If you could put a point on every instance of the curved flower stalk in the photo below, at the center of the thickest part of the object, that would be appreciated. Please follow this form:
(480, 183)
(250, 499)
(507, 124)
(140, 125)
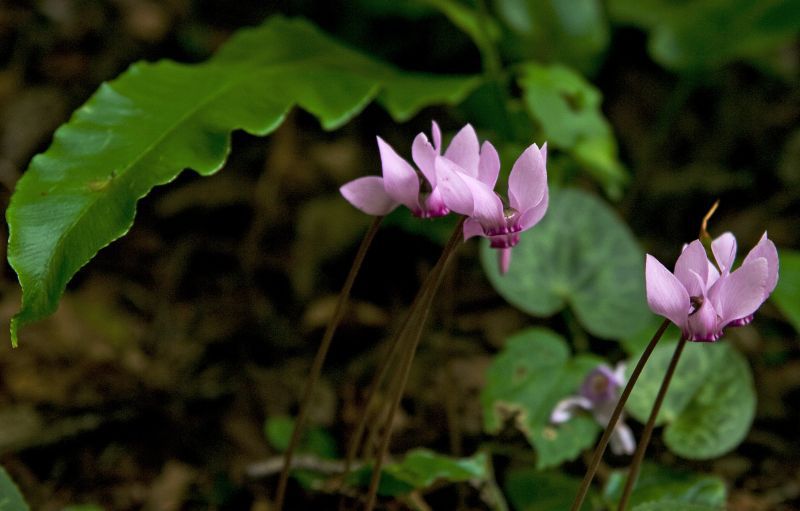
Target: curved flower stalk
(471, 193)
(416, 189)
(703, 299)
(599, 394)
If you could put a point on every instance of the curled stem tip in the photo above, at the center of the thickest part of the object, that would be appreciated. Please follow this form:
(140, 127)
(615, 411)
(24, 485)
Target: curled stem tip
(704, 235)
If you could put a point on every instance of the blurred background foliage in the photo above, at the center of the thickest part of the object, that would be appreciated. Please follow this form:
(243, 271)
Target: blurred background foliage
(177, 355)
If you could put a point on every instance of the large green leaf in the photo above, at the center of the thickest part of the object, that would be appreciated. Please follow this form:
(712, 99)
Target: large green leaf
(656, 484)
(525, 382)
(568, 109)
(10, 497)
(696, 362)
(533, 490)
(143, 128)
(483, 30)
(787, 294)
(719, 416)
(697, 34)
(710, 403)
(575, 33)
(580, 254)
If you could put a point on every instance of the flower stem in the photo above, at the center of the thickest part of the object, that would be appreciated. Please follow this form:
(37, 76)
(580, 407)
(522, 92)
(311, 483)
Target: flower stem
(623, 398)
(638, 456)
(319, 360)
(377, 381)
(419, 313)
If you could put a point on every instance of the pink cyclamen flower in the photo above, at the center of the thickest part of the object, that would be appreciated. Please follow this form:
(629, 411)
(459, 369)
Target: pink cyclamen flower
(470, 192)
(701, 300)
(599, 394)
(402, 184)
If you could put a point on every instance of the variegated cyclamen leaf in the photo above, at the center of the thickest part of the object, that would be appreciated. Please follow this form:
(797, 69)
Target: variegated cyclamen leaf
(711, 401)
(657, 484)
(787, 294)
(580, 255)
(719, 416)
(526, 381)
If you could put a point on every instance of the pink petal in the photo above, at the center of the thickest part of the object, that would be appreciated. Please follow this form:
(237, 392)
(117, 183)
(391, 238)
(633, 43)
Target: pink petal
(528, 180)
(455, 192)
(399, 179)
(622, 441)
(472, 227)
(424, 155)
(532, 216)
(766, 248)
(434, 205)
(692, 259)
(468, 196)
(713, 275)
(464, 150)
(703, 323)
(619, 374)
(724, 249)
(742, 292)
(666, 296)
(487, 205)
(488, 165)
(368, 195)
(566, 408)
(437, 137)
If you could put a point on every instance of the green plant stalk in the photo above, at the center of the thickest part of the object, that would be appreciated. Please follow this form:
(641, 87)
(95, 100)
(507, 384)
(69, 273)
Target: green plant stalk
(603, 443)
(638, 456)
(420, 313)
(319, 360)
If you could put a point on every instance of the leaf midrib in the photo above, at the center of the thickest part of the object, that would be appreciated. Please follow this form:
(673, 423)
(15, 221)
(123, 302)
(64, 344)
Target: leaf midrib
(58, 247)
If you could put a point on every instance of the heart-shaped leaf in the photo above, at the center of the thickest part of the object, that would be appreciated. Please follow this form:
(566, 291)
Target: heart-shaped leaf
(656, 484)
(143, 128)
(525, 382)
(581, 254)
(720, 414)
(693, 368)
(787, 294)
(710, 403)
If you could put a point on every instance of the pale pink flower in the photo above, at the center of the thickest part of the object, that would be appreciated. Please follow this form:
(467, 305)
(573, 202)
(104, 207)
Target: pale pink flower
(470, 192)
(416, 189)
(599, 394)
(701, 300)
